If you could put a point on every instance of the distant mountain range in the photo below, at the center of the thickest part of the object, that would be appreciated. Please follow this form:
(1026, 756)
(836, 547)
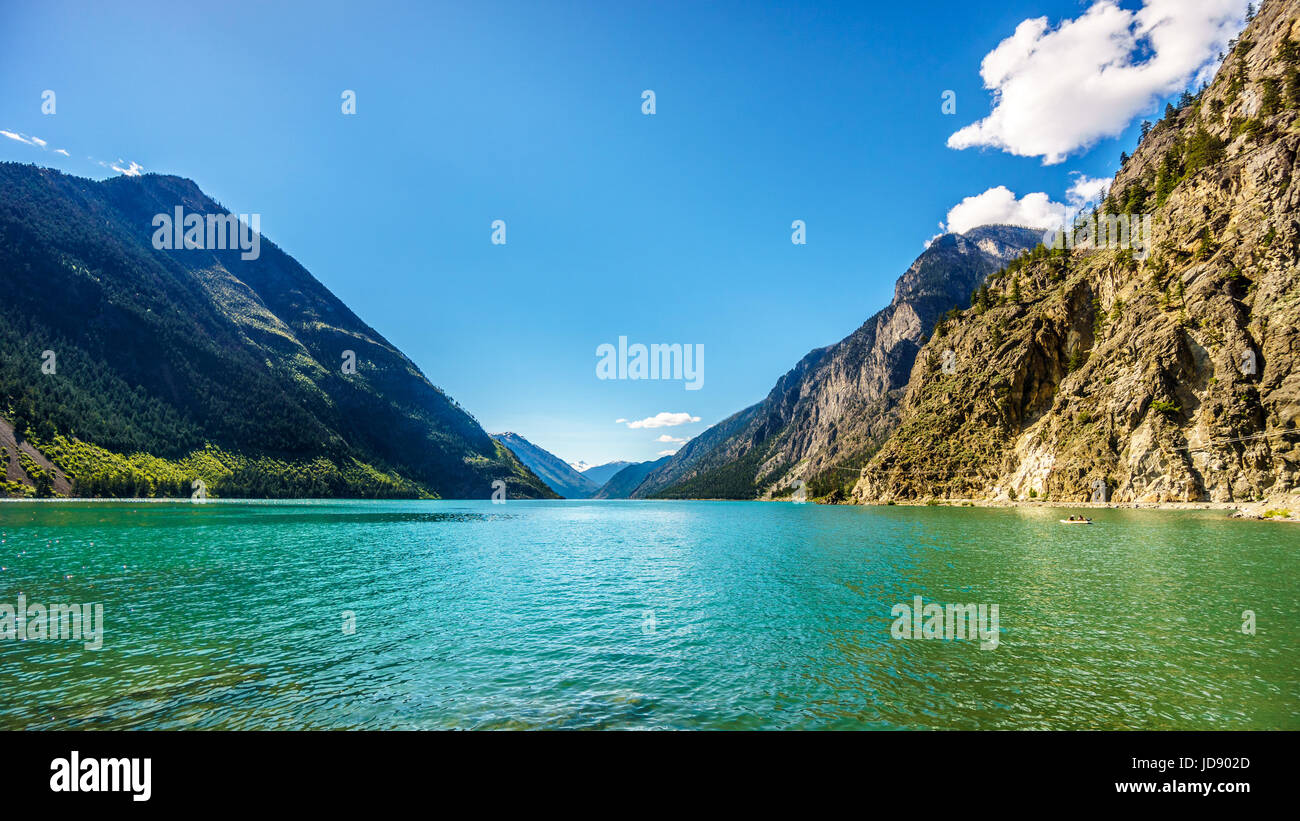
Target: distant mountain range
(600, 474)
(624, 483)
(558, 475)
(614, 480)
(140, 371)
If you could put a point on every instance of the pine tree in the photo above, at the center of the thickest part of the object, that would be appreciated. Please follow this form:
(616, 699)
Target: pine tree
(1270, 99)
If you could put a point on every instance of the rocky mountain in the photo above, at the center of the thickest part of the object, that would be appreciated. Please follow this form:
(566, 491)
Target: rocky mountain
(829, 413)
(136, 366)
(622, 484)
(1164, 371)
(600, 474)
(558, 475)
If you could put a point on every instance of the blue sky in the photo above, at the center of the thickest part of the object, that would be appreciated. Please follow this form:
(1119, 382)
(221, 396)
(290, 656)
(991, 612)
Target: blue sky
(673, 227)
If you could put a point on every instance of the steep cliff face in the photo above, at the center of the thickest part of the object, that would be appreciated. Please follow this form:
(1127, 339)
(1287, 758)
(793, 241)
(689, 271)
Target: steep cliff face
(1100, 374)
(830, 411)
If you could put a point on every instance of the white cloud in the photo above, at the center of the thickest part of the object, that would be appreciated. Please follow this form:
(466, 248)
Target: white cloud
(663, 437)
(1059, 90)
(1000, 206)
(28, 139)
(1085, 190)
(663, 420)
(667, 453)
(132, 170)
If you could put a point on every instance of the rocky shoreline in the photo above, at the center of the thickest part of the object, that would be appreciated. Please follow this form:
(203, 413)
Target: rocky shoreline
(1280, 509)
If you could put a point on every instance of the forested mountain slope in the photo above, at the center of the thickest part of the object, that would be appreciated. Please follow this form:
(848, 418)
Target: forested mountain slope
(171, 366)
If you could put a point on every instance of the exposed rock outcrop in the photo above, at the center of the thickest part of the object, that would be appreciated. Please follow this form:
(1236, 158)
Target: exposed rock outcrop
(826, 416)
(1099, 374)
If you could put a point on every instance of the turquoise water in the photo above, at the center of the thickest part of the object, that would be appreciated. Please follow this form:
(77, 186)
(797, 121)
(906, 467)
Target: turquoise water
(646, 615)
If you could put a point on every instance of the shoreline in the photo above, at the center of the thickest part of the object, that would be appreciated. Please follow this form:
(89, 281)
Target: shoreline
(1237, 510)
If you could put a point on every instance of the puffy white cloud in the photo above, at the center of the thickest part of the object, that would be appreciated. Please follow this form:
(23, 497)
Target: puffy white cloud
(1058, 90)
(663, 420)
(14, 136)
(1000, 206)
(60, 151)
(663, 437)
(1085, 190)
(667, 453)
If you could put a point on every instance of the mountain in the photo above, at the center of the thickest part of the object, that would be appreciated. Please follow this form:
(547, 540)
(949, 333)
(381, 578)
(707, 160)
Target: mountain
(580, 466)
(622, 484)
(554, 471)
(828, 414)
(1126, 375)
(600, 473)
(137, 370)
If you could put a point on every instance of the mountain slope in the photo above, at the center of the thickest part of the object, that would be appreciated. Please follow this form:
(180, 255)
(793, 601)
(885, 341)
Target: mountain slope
(622, 484)
(1095, 374)
(824, 417)
(551, 469)
(600, 474)
(175, 365)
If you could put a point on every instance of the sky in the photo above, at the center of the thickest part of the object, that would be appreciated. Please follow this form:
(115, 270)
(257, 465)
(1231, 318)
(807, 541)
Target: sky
(878, 125)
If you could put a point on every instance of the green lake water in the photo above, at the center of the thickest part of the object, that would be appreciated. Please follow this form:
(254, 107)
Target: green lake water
(715, 615)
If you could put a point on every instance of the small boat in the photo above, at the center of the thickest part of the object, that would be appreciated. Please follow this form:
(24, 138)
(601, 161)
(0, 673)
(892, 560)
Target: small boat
(1076, 521)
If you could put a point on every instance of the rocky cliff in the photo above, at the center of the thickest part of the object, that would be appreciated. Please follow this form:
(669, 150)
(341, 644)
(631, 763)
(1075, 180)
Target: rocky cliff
(1164, 371)
(824, 417)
